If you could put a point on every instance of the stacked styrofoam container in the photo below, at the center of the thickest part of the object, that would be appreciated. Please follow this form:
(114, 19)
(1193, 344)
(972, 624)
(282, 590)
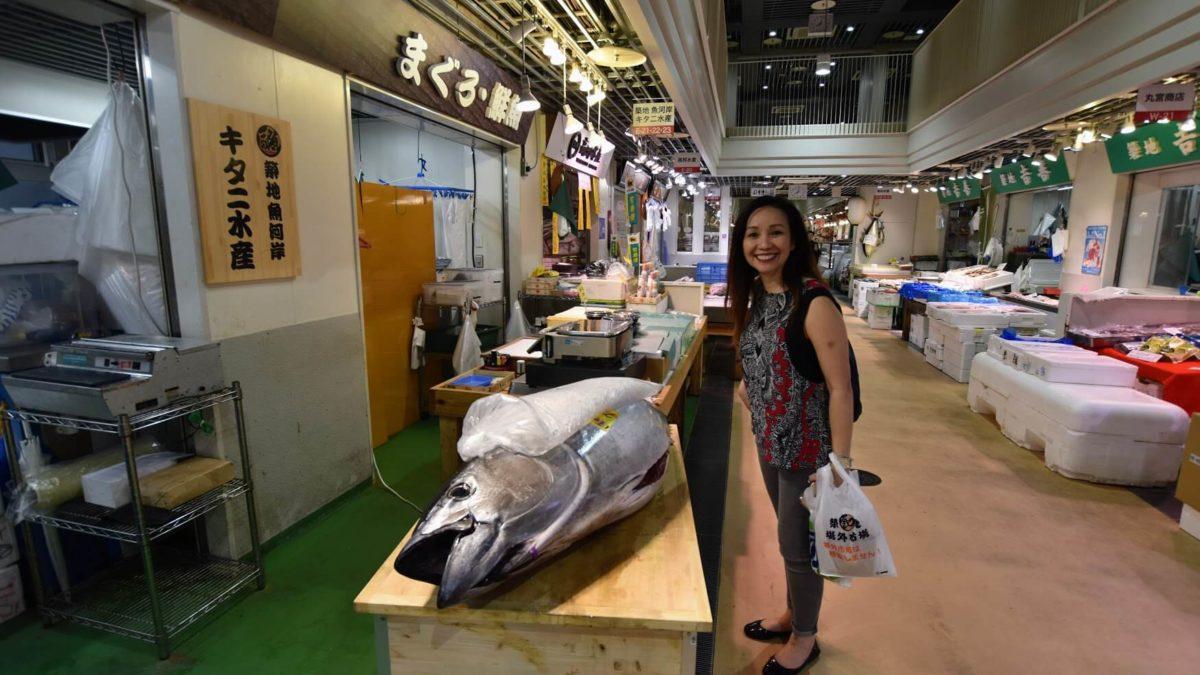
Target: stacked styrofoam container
(1081, 409)
(881, 307)
(918, 329)
(959, 331)
(859, 295)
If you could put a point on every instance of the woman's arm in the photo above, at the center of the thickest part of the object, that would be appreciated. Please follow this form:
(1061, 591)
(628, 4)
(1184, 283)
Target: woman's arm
(827, 330)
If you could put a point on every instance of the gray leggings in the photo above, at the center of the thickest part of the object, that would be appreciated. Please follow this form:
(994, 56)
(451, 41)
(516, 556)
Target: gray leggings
(804, 586)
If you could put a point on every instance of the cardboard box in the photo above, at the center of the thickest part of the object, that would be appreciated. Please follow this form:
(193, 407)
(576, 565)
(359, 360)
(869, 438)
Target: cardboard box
(1187, 490)
(1189, 521)
(186, 480)
(110, 486)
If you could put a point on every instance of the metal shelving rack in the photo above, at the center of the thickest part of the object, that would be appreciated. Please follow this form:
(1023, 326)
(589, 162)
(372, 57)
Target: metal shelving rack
(157, 599)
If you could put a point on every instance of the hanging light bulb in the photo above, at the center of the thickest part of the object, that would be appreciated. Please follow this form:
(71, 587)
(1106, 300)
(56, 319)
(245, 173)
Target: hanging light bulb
(680, 180)
(1129, 127)
(1088, 135)
(1028, 151)
(596, 96)
(998, 161)
(913, 190)
(549, 46)
(527, 102)
(978, 173)
(1051, 155)
(575, 75)
(585, 84)
(1035, 161)
(824, 64)
(1188, 125)
(573, 125)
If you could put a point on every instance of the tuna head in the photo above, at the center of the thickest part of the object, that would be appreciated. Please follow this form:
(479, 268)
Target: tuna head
(480, 527)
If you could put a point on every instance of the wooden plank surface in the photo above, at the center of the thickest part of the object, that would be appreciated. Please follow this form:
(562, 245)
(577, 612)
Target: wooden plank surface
(640, 573)
(425, 647)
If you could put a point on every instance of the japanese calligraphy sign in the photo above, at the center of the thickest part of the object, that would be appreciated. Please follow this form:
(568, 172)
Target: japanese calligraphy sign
(246, 194)
(577, 152)
(1151, 146)
(1165, 101)
(959, 190)
(653, 119)
(394, 46)
(1025, 175)
(687, 162)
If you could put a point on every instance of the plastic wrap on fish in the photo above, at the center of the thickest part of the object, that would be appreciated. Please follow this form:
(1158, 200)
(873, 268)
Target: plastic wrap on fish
(536, 423)
(508, 511)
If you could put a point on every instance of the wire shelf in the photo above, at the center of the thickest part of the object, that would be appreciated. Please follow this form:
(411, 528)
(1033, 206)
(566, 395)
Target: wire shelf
(91, 519)
(179, 408)
(117, 601)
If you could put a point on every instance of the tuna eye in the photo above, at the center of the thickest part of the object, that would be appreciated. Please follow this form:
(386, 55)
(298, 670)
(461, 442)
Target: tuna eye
(461, 491)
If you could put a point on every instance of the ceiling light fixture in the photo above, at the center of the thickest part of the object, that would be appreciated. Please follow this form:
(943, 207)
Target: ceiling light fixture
(1035, 161)
(1028, 151)
(573, 125)
(595, 97)
(849, 29)
(920, 31)
(585, 84)
(527, 103)
(575, 75)
(767, 67)
(998, 161)
(1051, 155)
(821, 84)
(765, 87)
(978, 173)
(824, 64)
(1128, 127)
(772, 33)
(1163, 120)
(1087, 136)
(1188, 125)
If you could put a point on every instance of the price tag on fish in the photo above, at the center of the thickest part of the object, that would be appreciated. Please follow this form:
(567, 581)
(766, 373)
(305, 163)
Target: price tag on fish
(604, 420)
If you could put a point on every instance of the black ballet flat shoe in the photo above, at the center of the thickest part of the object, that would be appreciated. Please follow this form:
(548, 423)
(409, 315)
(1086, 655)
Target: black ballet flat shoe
(755, 631)
(773, 667)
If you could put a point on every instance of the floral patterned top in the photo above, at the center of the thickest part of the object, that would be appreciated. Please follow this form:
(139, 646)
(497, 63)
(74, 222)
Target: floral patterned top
(789, 412)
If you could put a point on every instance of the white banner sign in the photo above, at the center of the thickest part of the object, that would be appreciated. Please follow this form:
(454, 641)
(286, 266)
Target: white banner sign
(577, 152)
(798, 192)
(687, 162)
(1165, 101)
(763, 191)
(653, 119)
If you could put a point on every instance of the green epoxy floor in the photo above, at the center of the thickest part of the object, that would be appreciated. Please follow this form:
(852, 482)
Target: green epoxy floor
(303, 622)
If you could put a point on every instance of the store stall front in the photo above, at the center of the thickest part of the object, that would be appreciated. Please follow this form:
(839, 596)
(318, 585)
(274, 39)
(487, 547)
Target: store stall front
(1034, 198)
(961, 221)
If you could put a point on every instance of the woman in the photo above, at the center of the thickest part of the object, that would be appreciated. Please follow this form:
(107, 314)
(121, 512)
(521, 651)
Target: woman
(797, 383)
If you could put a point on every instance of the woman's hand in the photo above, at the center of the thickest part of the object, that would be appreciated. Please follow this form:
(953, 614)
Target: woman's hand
(741, 393)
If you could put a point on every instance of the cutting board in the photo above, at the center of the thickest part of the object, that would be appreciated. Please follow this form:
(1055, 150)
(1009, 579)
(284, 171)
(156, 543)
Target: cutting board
(186, 480)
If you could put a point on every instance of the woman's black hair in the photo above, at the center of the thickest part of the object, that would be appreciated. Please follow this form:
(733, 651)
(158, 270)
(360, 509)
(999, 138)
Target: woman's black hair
(801, 263)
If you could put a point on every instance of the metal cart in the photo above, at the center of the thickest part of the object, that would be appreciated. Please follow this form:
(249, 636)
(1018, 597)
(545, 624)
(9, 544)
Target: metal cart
(155, 596)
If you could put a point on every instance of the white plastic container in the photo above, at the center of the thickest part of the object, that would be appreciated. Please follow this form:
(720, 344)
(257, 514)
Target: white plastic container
(110, 486)
(917, 331)
(933, 352)
(880, 317)
(1071, 368)
(606, 290)
(487, 284)
(12, 594)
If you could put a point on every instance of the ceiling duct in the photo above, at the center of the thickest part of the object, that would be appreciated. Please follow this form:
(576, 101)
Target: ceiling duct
(820, 24)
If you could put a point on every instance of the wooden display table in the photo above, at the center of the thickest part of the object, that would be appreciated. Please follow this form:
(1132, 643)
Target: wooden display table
(450, 405)
(630, 598)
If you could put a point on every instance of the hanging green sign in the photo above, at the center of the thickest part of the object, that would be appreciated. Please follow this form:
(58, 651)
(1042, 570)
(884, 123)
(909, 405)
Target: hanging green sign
(959, 190)
(1025, 175)
(1151, 146)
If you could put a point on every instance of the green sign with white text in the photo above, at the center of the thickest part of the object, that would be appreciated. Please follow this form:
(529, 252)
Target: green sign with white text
(1151, 146)
(959, 190)
(1025, 175)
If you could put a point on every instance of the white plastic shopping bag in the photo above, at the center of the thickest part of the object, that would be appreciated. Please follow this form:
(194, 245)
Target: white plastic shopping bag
(849, 536)
(468, 350)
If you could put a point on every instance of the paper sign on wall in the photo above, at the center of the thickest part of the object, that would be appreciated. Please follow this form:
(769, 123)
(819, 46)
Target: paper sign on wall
(797, 191)
(577, 151)
(1165, 102)
(766, 191)
(1093, 249)
(245, 194)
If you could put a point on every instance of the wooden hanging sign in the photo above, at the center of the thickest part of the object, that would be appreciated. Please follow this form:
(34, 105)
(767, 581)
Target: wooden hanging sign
(245, 194)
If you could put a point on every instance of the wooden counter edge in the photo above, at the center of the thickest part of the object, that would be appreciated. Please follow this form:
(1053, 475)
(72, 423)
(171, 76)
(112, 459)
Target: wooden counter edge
(368, 600)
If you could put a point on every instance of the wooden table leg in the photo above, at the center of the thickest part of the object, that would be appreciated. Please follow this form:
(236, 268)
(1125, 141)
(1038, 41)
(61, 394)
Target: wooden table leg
(696, 376)
(450, 429)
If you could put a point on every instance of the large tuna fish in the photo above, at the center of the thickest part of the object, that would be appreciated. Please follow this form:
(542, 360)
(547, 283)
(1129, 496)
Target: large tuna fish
(506, 511)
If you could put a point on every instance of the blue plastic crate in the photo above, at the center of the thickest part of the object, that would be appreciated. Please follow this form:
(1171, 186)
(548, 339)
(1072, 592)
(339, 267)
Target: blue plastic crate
(712, 272)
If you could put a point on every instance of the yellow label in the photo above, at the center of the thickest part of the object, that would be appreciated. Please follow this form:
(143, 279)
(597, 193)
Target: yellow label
(604, 420)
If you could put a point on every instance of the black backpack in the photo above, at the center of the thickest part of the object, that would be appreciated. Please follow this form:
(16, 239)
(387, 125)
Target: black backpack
(797, 357)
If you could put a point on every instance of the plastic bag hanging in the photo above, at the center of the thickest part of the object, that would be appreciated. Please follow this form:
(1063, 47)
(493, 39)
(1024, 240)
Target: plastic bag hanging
(468, 351)
(849, 534)
(517, 327)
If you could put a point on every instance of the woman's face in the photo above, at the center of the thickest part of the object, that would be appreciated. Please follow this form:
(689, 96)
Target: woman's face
(768, 241)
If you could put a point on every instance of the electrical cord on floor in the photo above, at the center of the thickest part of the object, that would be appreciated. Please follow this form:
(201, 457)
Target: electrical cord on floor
(389, 488)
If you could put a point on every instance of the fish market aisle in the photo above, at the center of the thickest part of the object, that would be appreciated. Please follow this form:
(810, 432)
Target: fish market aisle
(1003, 566)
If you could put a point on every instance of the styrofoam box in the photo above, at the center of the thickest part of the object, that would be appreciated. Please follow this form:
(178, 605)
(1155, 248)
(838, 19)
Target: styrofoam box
(916, 331)
(957, 357)
(606, 289)
(1102, 434)
(963, 376)
(879, 317)
(110, 486)
(487, 283)
(1008, 351)
(12, 595)
(1077, 369)
(883, 297)
(997, 316)
(933, 352)
(967, 334)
